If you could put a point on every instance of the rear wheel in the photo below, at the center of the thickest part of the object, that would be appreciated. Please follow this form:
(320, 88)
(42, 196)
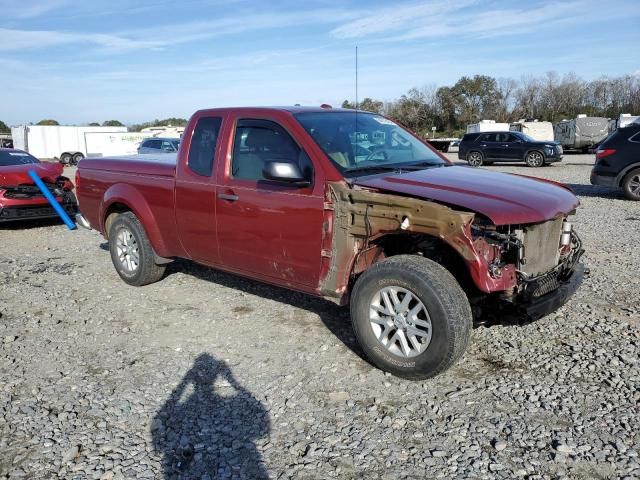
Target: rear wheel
(65, 158)
(131, 251)
(631, 185)
(76, 158)
(534, 159)
(410, 316)
(475, 159)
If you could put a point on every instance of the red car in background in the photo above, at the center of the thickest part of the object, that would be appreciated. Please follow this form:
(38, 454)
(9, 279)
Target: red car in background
(20, 198)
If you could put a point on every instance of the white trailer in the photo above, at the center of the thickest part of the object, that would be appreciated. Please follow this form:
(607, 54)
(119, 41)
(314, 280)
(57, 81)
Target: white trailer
(99, 144)
(66, 143)
(542, 131)
(582, 132)
(487, 126)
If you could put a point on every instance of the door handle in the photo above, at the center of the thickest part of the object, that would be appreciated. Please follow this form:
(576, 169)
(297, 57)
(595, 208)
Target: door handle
(228, 196)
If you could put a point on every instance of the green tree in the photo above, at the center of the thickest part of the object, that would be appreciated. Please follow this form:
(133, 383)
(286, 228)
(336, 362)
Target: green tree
(48, 122)
(3, 127)
(94, 124)
(112, 123)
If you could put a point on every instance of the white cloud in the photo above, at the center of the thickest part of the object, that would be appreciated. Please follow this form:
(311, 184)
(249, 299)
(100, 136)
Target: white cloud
(13, 39)
(29, 8)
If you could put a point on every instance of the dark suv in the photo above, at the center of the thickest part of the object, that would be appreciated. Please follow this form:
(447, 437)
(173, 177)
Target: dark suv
(618, 161)
(488, 147)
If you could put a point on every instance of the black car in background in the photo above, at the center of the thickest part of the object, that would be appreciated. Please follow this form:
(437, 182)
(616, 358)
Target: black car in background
(488, 147)
(618, 161)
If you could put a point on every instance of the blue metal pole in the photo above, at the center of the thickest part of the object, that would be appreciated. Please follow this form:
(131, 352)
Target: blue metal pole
(56, 206)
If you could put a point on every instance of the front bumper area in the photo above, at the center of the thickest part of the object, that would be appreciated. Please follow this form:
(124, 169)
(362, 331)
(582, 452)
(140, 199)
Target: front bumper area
(540, 306)
(34, 212)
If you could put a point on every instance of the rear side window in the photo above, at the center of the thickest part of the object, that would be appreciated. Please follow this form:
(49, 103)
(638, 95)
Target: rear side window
(489, 137)
(635, 138)
(203, 145)
(153, 144)
(257, 142)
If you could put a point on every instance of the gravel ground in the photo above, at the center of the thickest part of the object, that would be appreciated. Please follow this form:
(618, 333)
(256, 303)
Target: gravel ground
(206, 375)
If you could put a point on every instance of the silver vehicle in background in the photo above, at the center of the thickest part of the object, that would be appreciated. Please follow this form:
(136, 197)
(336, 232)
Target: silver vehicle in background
(581, 133)
(159, 145)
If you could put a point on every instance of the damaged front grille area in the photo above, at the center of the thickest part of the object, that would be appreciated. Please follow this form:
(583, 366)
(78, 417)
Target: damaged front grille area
(24, 192)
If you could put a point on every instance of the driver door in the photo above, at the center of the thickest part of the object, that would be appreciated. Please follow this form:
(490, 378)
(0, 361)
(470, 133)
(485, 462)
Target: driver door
(265, 228)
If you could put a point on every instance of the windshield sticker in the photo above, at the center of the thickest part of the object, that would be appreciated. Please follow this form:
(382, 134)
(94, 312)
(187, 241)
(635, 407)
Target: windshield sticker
(18, 154)
(383, 121)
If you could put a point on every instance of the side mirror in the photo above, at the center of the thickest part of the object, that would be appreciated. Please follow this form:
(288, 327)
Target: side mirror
(284, 172)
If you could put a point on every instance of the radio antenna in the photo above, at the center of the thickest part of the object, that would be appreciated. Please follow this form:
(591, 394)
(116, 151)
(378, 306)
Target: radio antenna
(357, 106)
(356, 77)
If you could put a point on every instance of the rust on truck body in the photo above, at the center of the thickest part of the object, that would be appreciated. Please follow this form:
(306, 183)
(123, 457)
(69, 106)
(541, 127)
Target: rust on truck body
(360, 216)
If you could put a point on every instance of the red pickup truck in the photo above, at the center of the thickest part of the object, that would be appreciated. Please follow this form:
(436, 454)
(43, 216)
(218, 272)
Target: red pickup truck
(348, 206)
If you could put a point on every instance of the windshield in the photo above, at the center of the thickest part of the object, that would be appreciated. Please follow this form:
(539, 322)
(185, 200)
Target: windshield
(8, 158)
(359, 141)
(526, 137)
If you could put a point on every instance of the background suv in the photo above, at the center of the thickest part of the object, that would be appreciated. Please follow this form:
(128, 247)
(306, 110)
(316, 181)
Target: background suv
(488, 147)
(618, 161)
(159, 145)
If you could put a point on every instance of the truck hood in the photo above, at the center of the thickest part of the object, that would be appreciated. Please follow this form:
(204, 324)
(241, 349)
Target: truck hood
(503, 198)
(14, 175)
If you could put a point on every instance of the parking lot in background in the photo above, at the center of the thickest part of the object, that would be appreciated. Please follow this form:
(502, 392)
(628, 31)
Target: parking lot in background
(93, 368)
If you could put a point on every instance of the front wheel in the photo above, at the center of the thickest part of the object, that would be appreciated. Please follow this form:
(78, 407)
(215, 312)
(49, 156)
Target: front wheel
(131, 251)
(534, 159)
(631, 185)
(411, 317)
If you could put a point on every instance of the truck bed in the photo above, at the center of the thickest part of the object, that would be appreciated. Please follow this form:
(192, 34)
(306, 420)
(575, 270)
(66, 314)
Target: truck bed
(161, 164)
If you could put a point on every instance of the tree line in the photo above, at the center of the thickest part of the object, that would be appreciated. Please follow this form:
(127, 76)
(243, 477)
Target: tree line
(550, 97)
(173, 122)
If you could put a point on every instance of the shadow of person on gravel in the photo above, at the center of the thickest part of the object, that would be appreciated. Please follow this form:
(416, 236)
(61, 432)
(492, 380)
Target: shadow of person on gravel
(209, 425)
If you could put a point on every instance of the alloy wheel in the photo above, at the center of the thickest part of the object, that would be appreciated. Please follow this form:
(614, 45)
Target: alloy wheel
(400, 321)
(475, 159)
(127, 250)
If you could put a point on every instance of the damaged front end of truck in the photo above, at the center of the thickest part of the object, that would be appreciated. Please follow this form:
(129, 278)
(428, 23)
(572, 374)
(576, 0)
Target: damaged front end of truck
(523, 270)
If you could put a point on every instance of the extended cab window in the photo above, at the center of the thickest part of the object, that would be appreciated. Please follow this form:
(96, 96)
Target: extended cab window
(203, 145)
(257, 142)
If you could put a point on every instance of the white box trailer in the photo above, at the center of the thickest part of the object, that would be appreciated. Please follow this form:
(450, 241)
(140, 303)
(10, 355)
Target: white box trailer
(487, 126)
(542, 131)
(66, 143)
(100, 144)
(582, 132)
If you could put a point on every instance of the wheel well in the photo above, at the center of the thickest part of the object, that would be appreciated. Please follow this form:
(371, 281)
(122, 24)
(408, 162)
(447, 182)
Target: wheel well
(113, 211)
(432, 248)
(626, 171)
(535, 150)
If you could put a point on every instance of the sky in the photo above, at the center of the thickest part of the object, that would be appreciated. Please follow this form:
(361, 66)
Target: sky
(80, 61)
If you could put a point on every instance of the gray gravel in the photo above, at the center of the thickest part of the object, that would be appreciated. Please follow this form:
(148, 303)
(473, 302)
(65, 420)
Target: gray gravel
(206, 375)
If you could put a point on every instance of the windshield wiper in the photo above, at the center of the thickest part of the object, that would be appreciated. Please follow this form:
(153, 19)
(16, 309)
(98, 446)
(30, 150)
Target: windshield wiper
(373, 168)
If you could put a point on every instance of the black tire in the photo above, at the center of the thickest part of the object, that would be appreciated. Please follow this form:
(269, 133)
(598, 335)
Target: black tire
(147, 271)
(65, 158)
(631, 185)
(534, 159)
(444, 300)
(76, 158)
(475, 158)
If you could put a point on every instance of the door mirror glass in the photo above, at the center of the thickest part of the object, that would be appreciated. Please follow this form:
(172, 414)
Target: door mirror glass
(285, 172)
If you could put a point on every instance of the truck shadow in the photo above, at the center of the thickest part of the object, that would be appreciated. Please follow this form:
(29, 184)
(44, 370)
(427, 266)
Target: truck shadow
(209, 425)
(335, 318)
